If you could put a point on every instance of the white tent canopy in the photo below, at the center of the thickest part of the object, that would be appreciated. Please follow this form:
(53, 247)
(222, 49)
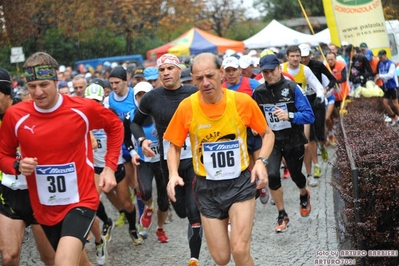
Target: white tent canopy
(276, 34)
(324, 36)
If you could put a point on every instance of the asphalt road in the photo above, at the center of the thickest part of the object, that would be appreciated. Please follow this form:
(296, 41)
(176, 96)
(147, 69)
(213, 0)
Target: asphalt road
(299, 245)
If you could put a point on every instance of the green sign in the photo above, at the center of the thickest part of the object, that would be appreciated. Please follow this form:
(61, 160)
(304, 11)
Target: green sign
(354, 2)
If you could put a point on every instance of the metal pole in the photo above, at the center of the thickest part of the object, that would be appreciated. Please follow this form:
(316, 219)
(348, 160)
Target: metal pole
(355, 182)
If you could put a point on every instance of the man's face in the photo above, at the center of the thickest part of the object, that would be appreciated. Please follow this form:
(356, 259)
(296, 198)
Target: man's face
(64, 90)
(207, 78)
(272, 76)
(189, 82)
(107, 91)
(333, 49)
(139, 95)
(169, 75)
(232, 75)
(331, 60)
(154, 82)
(118, 85)
(247, 72)
(79, 87)
(305, 60)
(60, 76)
(4, 102)
(293, 59)
(43, 93)
(136, 80)
(67, 75)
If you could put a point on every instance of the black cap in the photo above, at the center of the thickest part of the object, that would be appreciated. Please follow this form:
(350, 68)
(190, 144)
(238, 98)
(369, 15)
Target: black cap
(185, 75)
(138, 73)
(363, 45)
(5, 82)
(268, 62)
(106, 84)
(381, 53)
(98, 82)
(348, 48)
(118, 72)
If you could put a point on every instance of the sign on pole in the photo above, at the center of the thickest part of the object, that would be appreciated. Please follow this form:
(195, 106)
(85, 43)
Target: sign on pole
(17, 58)
(17, 55)
(16, 51)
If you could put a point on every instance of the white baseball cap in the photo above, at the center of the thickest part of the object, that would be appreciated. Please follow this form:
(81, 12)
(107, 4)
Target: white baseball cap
(95, 92)
(231, 61)
(142, 86)
(246, 61)
(305, 49)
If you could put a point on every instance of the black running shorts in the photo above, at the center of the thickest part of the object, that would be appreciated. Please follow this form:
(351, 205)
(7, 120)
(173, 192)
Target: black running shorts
(77, 223)
(119, 174)
(254, 143)
(317, 129)
(391, 94)
(214, 198)
(15, 204)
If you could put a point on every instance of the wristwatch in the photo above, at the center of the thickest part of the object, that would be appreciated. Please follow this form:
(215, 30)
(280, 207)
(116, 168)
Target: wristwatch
(290, 116)
(264, 160)
(16, 166)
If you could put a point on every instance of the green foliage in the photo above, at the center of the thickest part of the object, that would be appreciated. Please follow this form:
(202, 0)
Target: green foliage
(123, 28)
(288, 9)
(244, 30)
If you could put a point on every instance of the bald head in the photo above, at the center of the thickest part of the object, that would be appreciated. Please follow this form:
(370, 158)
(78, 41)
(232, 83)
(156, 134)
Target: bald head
(205, 59)
(207, 74)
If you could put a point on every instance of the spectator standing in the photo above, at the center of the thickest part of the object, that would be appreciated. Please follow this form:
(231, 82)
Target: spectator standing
(387, 73)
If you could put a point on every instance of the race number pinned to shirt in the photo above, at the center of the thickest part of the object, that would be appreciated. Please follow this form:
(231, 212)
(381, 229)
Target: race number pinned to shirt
(222, 160)
(185, 152)
(57, 184)
(14, 182)
(272, 120)
(155, 148)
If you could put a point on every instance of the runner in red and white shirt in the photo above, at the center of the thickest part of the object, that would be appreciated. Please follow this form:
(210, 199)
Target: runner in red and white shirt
(57, 159)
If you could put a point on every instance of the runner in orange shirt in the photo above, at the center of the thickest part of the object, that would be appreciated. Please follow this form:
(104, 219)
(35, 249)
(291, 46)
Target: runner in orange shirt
(216, 119)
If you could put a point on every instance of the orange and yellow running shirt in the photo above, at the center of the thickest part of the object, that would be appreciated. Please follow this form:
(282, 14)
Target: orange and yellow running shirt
(217, 132)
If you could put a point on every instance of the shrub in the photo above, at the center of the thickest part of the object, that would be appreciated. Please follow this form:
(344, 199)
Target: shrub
(374, 147)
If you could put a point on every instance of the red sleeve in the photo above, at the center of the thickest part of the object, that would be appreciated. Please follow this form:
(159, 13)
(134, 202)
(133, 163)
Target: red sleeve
(8, 145)
(113, 127)
(288, 76)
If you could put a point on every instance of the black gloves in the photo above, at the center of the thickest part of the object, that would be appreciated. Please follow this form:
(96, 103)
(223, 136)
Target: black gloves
(318, 103)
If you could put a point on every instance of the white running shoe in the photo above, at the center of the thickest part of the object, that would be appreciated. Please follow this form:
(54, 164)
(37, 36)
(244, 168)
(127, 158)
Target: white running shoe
(101, 252)
(312, 182)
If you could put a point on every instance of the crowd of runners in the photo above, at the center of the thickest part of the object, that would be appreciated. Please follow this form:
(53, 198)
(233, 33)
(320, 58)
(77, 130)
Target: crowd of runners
(213, 132)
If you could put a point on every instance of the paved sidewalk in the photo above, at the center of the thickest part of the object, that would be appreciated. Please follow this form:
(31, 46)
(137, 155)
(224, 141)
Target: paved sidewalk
(297, 246)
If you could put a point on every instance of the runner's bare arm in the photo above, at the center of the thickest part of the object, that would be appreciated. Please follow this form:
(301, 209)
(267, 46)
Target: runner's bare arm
(259, 171)
(173, 166)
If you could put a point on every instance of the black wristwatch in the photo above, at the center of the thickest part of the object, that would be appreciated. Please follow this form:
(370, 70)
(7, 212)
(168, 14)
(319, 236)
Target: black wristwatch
(16, 166)
(264, 160)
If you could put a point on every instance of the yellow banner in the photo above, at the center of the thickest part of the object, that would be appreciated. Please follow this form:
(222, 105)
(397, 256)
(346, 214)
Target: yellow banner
(357, 21)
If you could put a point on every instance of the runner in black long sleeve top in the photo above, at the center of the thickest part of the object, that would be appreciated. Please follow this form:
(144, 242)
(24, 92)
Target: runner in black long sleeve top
(160, 104)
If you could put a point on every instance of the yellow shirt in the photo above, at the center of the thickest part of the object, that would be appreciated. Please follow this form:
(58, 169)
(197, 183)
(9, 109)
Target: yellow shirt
(207, 124)
(299, 78)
